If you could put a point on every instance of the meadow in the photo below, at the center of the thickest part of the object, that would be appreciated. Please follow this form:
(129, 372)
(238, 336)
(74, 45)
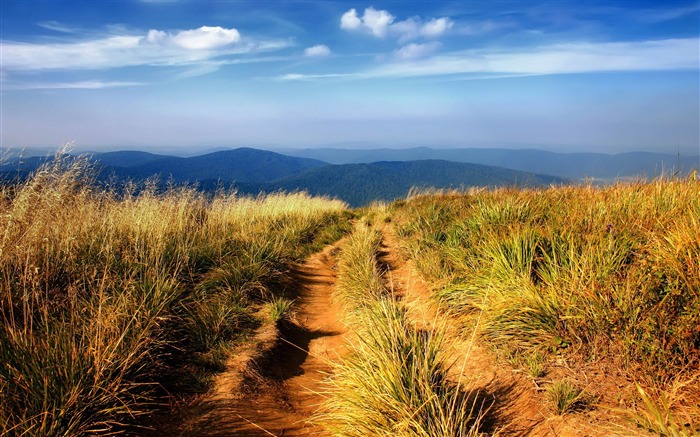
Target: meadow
(115, 303)
(606, 279)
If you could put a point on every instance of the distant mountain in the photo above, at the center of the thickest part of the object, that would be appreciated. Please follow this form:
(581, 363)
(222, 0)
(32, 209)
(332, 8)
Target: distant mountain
(567, 165)
(126, 158)
(240, 165)
(359, 184)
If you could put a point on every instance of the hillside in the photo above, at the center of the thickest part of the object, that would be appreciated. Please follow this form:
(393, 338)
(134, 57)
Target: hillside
(565, 165)
(359, 184)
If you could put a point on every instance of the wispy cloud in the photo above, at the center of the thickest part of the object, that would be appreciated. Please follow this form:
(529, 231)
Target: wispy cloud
(86, 85)
(310, 77)
(657, 55)
(663, 14)
(381, 23)
(56, 26)
(155, 48)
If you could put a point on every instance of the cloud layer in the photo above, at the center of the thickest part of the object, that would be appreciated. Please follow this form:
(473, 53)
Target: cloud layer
(155, 48)
(412, 60)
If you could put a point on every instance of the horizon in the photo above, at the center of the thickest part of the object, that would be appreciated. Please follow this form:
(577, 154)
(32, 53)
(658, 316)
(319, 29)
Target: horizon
(187, 152)
(603, 77)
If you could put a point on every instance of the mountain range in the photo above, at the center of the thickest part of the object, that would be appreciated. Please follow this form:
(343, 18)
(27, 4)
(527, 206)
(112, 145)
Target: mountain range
(361, 176)
(359, 184)
(576, 166)
(252, 171)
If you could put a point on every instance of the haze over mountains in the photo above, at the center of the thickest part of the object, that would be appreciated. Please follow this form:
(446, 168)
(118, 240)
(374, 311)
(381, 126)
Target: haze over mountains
(361, 176)
(566, 165)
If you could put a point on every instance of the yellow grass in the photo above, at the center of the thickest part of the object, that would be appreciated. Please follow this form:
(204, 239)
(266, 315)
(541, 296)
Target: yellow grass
(106, 296)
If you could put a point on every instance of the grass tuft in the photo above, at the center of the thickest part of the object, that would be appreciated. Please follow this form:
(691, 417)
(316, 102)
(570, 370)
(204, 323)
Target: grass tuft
(564, 396)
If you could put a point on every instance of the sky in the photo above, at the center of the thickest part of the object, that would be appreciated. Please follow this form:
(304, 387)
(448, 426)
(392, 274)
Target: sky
(602, 76)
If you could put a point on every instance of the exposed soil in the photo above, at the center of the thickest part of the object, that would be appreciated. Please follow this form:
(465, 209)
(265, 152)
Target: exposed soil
(273, 385)
(517, 405)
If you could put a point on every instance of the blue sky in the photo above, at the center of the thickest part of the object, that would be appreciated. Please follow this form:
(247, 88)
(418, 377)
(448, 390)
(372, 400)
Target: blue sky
(608, 76)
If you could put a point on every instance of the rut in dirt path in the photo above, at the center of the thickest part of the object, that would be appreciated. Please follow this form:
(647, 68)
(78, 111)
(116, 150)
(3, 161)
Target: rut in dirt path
(273, 388)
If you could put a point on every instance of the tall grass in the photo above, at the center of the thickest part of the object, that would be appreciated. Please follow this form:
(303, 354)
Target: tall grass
(605, 273)
(360, 282)
(104, 294)
(395, 380)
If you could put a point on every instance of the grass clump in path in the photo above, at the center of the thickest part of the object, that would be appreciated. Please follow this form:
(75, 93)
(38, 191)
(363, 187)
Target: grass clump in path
(395, 380)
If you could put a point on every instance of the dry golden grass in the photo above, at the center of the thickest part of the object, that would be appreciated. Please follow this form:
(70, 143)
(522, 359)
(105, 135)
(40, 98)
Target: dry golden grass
(106, 295)
(610, 274)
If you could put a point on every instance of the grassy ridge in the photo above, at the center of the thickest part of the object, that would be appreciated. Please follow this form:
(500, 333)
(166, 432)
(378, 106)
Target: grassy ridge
(105, 296)
(608, 274)
(394, 381)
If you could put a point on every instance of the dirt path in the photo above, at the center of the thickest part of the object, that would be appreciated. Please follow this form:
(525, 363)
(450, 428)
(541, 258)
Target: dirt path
(280, 392)
(518, 404)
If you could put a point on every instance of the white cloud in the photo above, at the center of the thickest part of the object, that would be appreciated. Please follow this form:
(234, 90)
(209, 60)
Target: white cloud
(381, 23)
(155, 48)
(655, 55)
(377, 21)
(350, 20)
(414, 51)
(316, 51)
(206, 38)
